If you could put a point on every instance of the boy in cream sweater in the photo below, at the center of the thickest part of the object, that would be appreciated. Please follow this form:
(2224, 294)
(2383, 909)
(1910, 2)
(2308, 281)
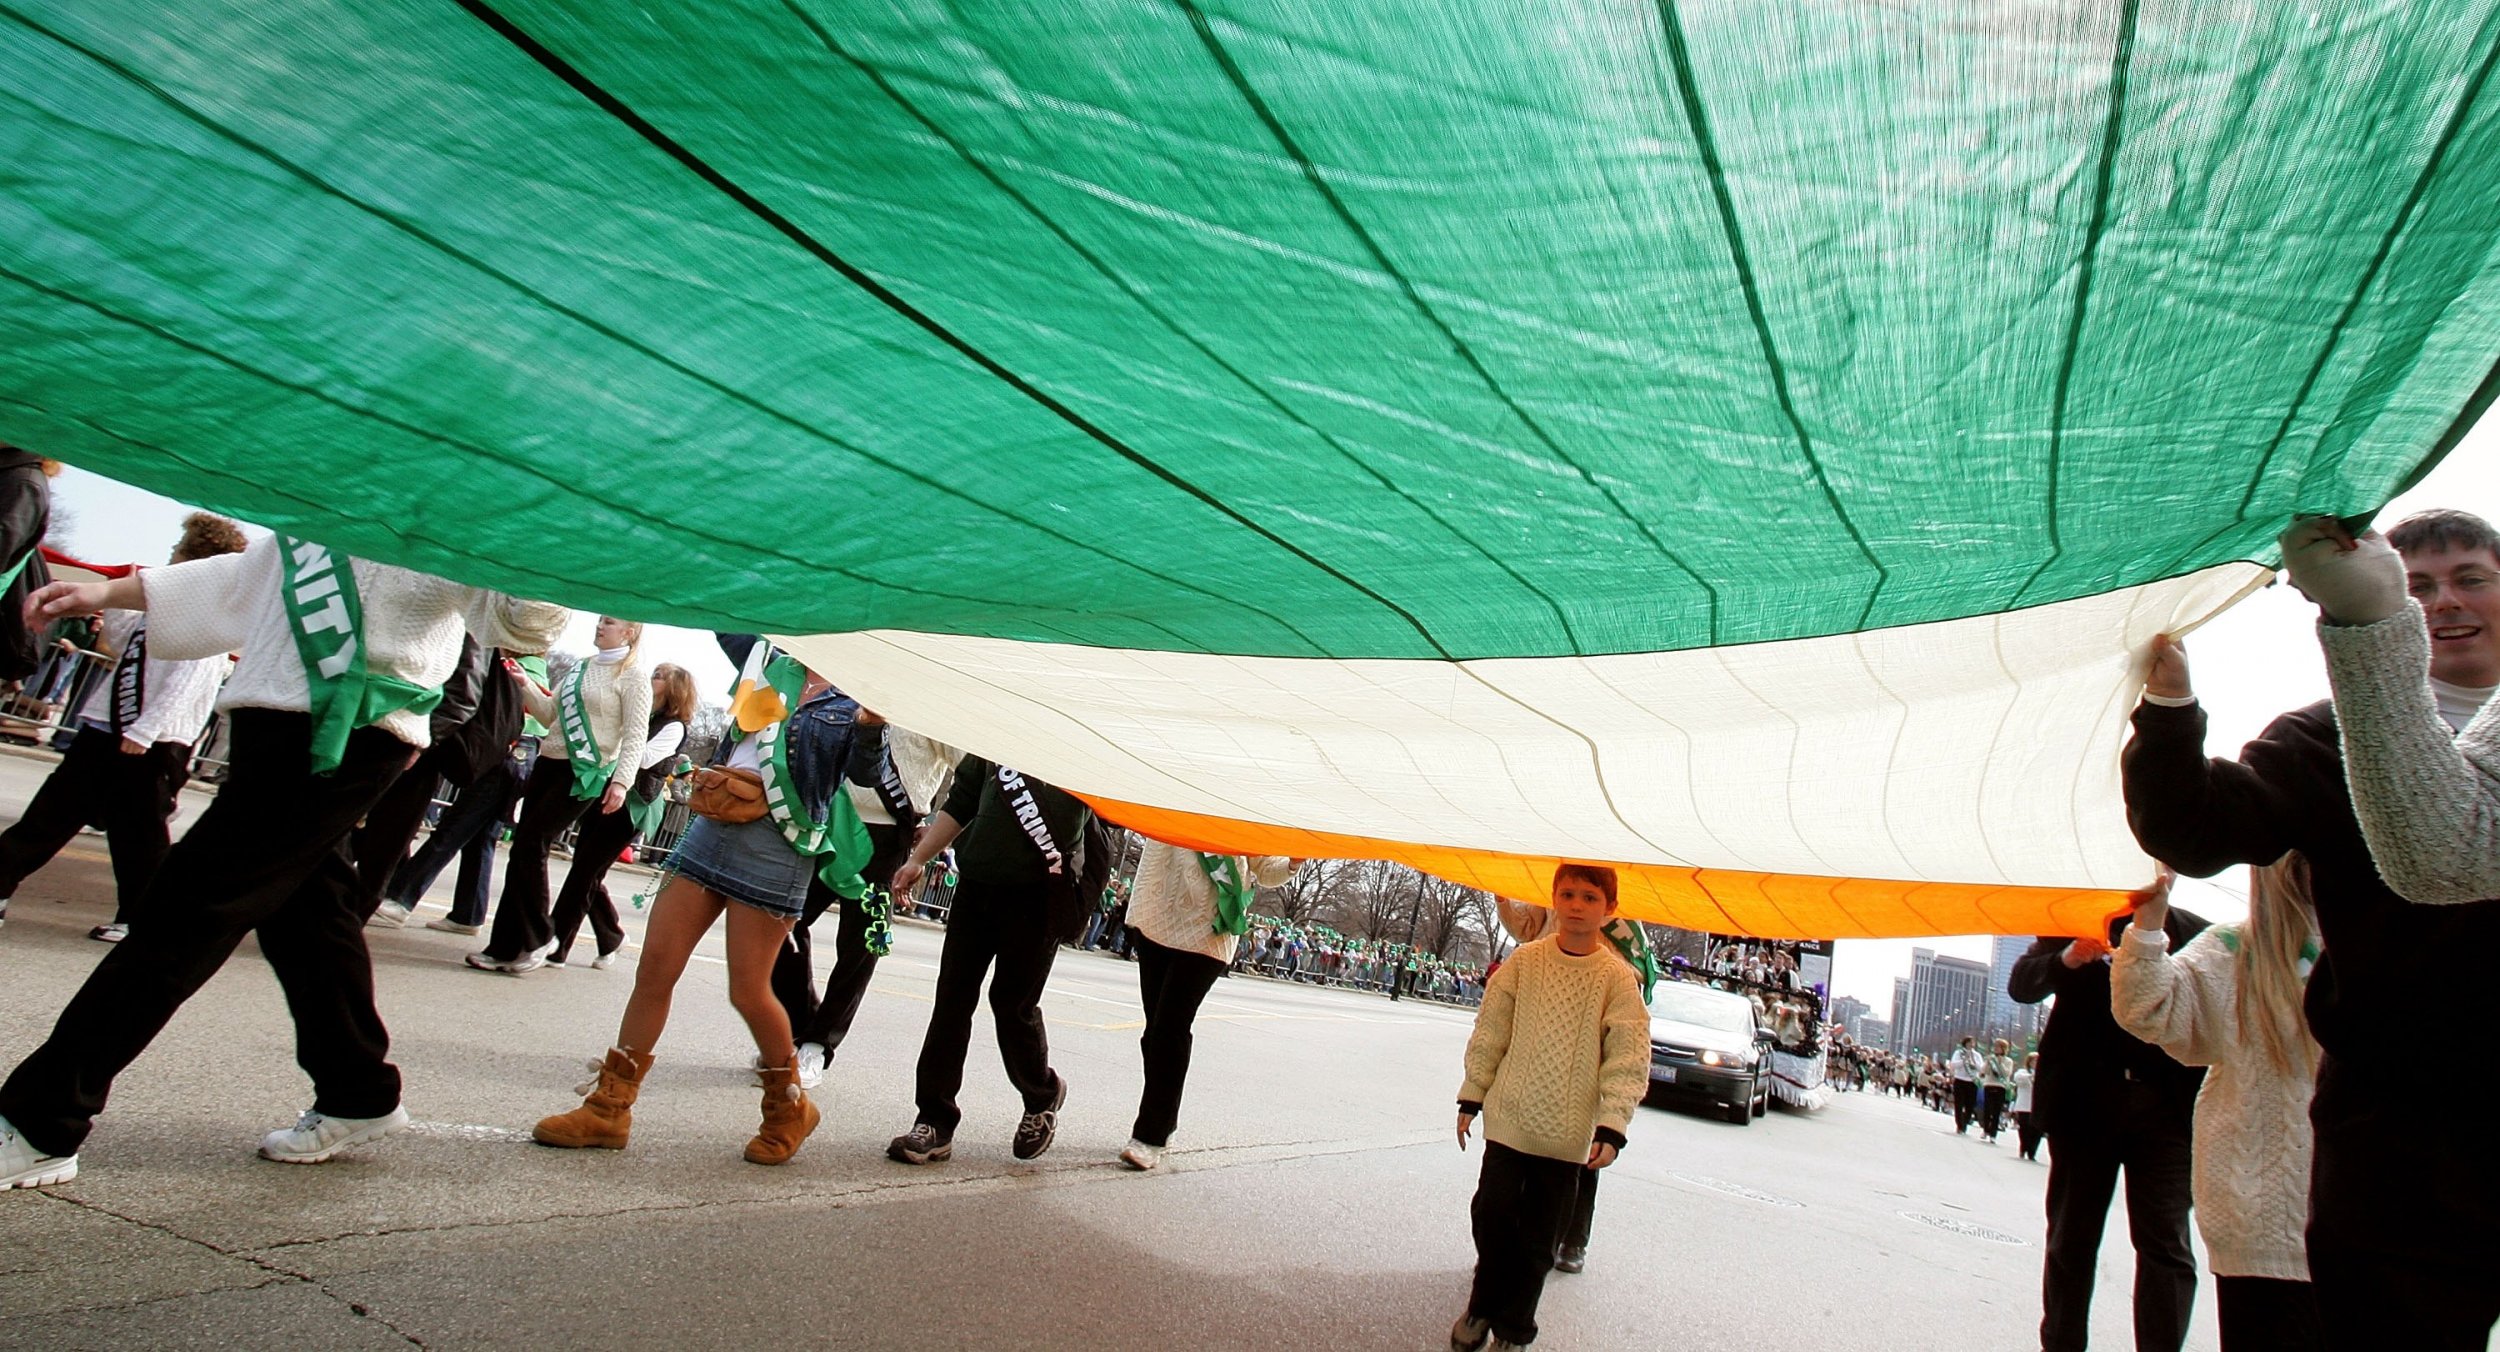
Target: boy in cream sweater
(1558, 1062)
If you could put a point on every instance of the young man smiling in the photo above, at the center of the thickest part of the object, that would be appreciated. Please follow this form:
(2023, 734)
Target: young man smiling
(2404, 1229)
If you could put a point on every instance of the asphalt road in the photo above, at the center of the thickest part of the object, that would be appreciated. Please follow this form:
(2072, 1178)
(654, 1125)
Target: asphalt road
(1314, 1196)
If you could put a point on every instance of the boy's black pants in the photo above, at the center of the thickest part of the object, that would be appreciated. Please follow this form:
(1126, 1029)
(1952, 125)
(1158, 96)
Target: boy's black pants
(269, 856)
(1965, 1103)
(597, 843)
(1173, 984)
(1522, 1203)
(129, 796)
(1008, 925)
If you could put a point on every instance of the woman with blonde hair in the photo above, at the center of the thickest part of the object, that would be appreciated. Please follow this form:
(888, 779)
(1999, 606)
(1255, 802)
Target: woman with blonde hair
(2232, 1000)
(600, 713)
(605, 833)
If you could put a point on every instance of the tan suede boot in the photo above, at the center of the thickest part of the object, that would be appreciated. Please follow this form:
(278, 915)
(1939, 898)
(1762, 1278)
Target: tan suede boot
(606, 1116)
(789, 1115)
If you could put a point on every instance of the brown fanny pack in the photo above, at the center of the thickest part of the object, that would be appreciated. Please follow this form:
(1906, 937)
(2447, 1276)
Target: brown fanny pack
(730, 796)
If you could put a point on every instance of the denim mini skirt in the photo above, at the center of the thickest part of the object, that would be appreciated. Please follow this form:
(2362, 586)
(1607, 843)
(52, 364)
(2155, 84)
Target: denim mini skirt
(750, 863)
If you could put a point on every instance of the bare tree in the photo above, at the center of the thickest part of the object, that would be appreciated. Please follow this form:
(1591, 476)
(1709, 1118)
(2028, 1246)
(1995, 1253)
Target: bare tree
(704, 731)
(1302, 896)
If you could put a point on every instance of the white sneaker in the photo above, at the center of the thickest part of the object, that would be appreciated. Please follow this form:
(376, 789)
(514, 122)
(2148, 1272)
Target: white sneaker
(811, 1065)
(450, 926)
(607, 960)
(527, 962)
(109, 934)
(4, 911)
(1140, 1156)
(315, 1138)
(389, 915)
(23, 1166)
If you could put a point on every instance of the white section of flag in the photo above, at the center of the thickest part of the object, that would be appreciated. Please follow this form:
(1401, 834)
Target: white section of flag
(1982, 750)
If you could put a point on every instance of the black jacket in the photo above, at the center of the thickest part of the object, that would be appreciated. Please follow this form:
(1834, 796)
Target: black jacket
(25, 514)
(2086, 1059)
(482, 740)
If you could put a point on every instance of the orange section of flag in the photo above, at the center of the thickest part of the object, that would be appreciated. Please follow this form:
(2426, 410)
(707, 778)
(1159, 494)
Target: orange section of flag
(1723, 901)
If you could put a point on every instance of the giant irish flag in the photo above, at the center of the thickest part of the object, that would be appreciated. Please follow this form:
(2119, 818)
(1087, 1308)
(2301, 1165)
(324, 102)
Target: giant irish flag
(1748, 441)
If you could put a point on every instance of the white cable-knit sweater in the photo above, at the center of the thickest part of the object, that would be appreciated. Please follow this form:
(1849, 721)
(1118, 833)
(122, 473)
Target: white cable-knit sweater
(2428, 799)
(617, 696)
(1561, 1048)
(2251, 1175)
(412, 626)
(1173, 901)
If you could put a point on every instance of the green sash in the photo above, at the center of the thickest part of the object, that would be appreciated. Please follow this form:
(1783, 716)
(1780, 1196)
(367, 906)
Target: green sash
(1230, 873)
(1632, 942)
(9, 578)
(328, 621)
(840, 842)
(590, 774)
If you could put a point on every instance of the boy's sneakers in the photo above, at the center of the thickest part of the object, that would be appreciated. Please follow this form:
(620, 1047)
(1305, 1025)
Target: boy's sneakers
(109, 934)
(811, 1064)
(23, 1166)
(1469, 1333)
(450, 926)
(527, 962)
(923, 1144)
(1571, 1258)
(1140, 1156)
(1035, 1131)
(315, 1138)
(389, 915)
(4, 911)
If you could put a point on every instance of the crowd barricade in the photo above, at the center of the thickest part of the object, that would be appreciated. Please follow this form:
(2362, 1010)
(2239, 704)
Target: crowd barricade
(43, 711)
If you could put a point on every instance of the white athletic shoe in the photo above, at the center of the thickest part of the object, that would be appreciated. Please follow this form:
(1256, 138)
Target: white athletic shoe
(1140, 1156)
(4, 911)
(527, 962)
(607, 960)
(389, 915)
(23, 1166)
(811, 1065)
(109, 934)
(315, 1138)
(450, 926)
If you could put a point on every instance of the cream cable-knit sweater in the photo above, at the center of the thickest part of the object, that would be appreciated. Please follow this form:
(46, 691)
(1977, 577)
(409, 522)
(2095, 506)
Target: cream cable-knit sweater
(1173, 901)
(2429, 800)
(1561, 1048)
(412, 626)
(2251, 1175)
(617, 695)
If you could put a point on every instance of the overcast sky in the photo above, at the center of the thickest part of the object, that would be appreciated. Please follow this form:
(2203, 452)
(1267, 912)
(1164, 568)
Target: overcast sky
(2252, 663)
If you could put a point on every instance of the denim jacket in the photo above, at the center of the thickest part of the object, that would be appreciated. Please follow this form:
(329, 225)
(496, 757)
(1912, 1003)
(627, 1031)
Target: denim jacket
(818, 735)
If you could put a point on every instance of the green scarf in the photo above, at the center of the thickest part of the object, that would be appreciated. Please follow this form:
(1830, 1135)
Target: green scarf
(1230, 873)
(328, 622)
(590, 774)
(840, 841)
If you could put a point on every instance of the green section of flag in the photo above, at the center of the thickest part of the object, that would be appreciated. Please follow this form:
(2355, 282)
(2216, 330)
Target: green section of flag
(1353, 330)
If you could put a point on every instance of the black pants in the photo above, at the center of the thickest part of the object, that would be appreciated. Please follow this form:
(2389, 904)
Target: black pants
(1007, 925)
(547, 807)
(129, 796)
(1583, 1211)
(390, 827)
(1991, 1110)
(1965, 1103)
(827, 1021)
(269, 856)
(2151, 1142)
(1173, 984)
(1522, 1202)
(2404, 1219)
(2262, 1314)
(2027, 1131)
(466, 832)
(603, 836)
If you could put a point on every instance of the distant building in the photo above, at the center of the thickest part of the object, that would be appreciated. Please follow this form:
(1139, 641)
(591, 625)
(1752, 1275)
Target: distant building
(1946, 1001)
(1900, 1013)
(2016, 1023)
(1845, 1014)
(1873, 1032)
